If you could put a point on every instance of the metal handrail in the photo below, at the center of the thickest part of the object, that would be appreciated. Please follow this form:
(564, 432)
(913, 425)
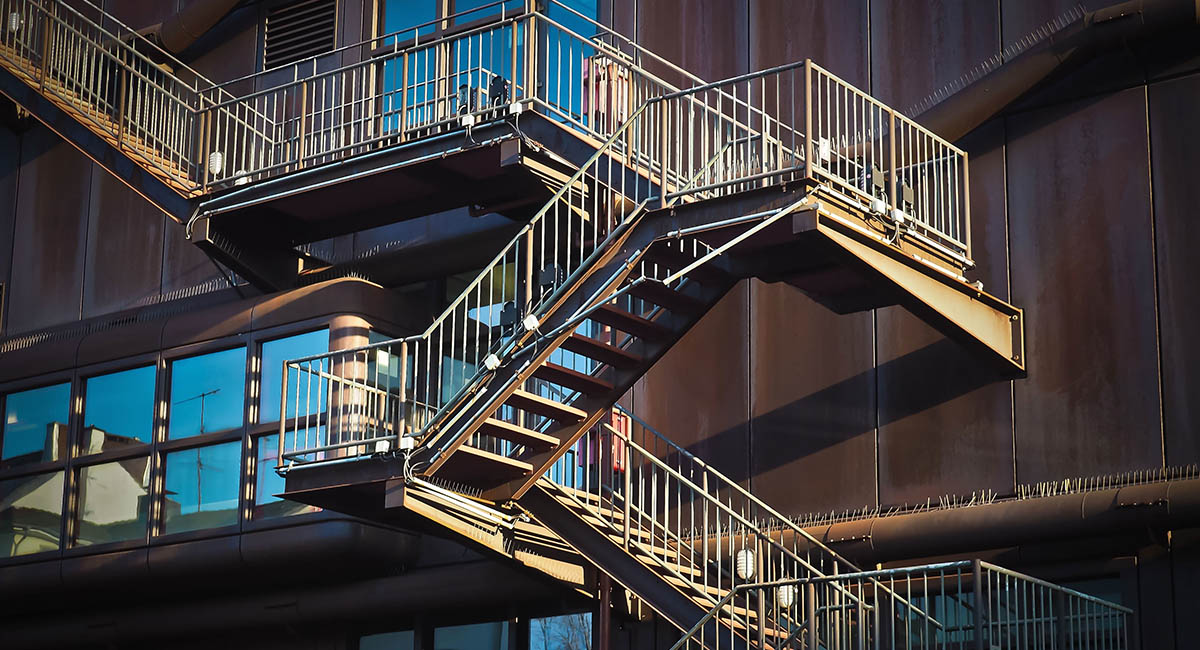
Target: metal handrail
(1055, 621)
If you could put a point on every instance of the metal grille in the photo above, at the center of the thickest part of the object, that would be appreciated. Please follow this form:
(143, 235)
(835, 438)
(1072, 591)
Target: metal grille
(297, 30)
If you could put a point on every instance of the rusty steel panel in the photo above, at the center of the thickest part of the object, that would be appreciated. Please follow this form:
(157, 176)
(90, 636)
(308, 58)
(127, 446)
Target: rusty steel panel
(918, 47)
(10, 163)
(945, 422)
(832, 34)
(705, 37)
(124, 241)
(696, 393)
(812, 382)
(1175, 157)
(1083, 270)
(1021, 17)
(230, 50)
(48, 240)
(141, 13)
(813, 403)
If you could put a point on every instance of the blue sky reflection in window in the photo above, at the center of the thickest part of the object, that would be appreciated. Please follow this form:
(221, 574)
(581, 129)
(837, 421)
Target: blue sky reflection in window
(35, 425)
(207, 393)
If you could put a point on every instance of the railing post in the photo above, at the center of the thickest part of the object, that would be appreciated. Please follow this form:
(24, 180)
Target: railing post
(980, 609)
(810, 615)
(404, 97)
(627, 492)
(402, 425)
(965, 235)
(893, 177)
(46, 34)
(301, 117)
(808, 121)
(205, 147)
(121, 108)
(1061, 621)
(662, 161)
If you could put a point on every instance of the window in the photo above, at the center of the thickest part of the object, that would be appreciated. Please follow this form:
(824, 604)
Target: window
(114, 502)
(30, 514)
(297, 30)
(202, 487)
(307, 388)
(207, 393)
(464, 6)
(387, 641)
(267, 483)
(118, 410)
(35, 425)
(567, 632)
(480, 636)
(403, 15)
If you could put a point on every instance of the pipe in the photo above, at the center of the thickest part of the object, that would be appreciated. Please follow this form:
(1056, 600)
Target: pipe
(1143, 511)
(1088, 37)
(179, 32)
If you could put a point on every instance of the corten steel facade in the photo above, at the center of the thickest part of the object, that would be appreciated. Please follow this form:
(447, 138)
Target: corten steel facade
(1083, 199)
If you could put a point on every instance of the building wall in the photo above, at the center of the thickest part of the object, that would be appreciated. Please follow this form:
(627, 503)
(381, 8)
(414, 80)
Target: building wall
(1079, 215)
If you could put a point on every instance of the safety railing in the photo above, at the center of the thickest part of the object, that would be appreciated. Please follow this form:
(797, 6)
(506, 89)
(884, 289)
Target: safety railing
(743, 144)
(961, 605)
(104, 76)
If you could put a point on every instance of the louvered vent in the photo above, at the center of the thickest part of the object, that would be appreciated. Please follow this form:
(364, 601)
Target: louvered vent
(298, 30)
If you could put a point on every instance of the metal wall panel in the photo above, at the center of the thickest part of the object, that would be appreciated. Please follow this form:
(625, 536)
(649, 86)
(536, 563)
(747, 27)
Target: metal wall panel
(832, 34)
(48, 241)
(10, 164)
(696, 394)
(812, 381)
(1083, 270)
(1175, 157)
(124, 238)
(184, 266)
(705, 37)
(944, 425)
(813, 403)
(141, 13)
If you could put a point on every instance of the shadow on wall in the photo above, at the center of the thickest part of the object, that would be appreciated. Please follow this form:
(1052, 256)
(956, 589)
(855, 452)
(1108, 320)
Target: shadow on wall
(827, 417)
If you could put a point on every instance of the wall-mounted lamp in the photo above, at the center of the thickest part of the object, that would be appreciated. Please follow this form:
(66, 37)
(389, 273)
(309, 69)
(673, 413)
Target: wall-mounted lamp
(743, 563)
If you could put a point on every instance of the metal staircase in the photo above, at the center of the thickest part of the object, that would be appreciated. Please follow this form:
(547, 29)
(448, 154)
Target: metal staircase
(492, 423)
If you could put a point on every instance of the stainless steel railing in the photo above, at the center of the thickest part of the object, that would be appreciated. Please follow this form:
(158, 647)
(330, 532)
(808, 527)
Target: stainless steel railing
(961, 605)
(732, 135)
(740, 143)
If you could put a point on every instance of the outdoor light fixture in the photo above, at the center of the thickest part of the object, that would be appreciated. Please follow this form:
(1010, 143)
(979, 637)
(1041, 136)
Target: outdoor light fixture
(216, 162)
(14, 22)
(743, 562)
(785, 595)
(491, 362)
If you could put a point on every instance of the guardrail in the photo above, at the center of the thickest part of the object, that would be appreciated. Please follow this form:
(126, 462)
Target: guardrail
(705, 142)
(962, 605)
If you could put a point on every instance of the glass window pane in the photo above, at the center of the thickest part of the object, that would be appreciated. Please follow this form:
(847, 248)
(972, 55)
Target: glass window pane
(387, 641)
(567, 632)
(202, 487)
(113, 501)
(460, 6)
(267, 483)
(206, 393)
(404, 14)
(30, 514)
(35, 425)
(274, 353)
(480, 636)
(118, 410)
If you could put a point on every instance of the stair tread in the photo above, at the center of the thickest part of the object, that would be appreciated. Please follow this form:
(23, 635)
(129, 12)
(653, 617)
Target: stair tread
(642, 328)
(601, 351)
(533, 403)
(572, 379)
(518, 434)
(471, 465)
(668, 298)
